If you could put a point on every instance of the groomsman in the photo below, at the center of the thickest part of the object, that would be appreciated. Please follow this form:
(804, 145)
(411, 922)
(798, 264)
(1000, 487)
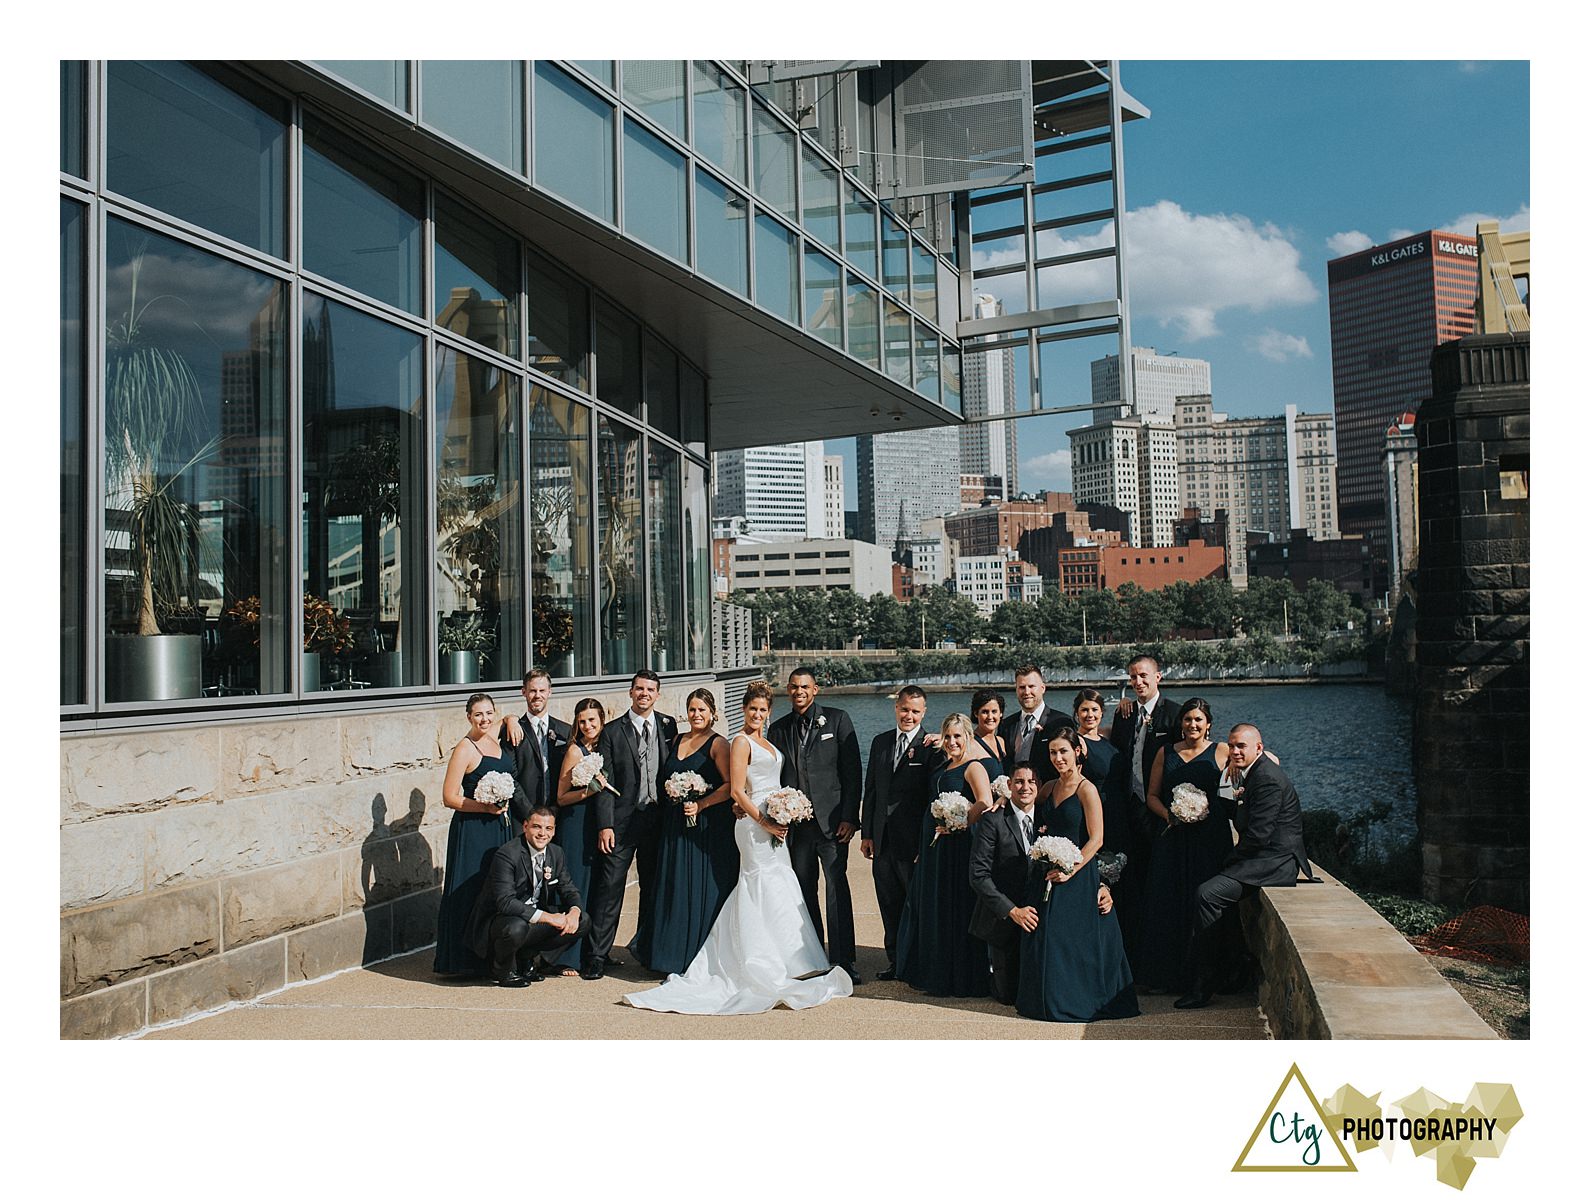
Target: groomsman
(1140, 728)
(541, 740)
(823, 759)
(1001, 875)
(634, 748)
(897, 793)
(528, 904)
(1026, 732)
(1269, 850)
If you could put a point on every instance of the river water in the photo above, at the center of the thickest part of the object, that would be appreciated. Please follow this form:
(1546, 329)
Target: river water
(1344, 745)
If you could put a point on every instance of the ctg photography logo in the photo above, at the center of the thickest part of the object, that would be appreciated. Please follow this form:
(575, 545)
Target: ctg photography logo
(1296, 1132)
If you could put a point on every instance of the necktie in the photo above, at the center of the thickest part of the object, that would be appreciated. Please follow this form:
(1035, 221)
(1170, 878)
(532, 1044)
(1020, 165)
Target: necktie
(536, 873)
(900, 744)
(1026, 831)
(1138, 789)
(648, 778)
(1024, 750)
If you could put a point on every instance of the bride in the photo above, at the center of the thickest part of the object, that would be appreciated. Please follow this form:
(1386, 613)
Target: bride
(763, 949)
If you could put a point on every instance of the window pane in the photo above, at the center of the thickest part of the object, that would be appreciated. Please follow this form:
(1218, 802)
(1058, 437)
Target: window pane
(927, 361)
(480, 613)
(896, 259)
(618, 532)
(822, 296)
(599, 69)
(775, 267)
(924, 282)
(665, 554)
(361, 220)
(479, 103)
(693, 400)
(385, 78)
(721, 252)
(662, 388)
(657, 89)
(775, 163)
(562, 622)
(952, 378)
(364, 501)
(861, 235)
(896, 343)
(74, 478)
(720, 120)
(617, 359)
(560, 325)
(74, 110)
(654, 192)
(195, 485)
(181, 142)
(574, 142)
(477, 279)
(862, 322)
(820, 199)
(698, 570)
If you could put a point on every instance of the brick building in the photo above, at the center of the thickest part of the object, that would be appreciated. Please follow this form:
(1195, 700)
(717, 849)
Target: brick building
(1154, 567)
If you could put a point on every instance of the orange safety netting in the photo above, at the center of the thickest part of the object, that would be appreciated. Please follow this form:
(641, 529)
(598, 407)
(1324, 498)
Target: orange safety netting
(1485, 934)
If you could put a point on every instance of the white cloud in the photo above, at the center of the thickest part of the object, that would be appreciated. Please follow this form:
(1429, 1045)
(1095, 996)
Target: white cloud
(1465, 223)
(1350, 241)
(1047, 470)
(1279, 347)
(1185, 269)
(1474, 68)
(1396, 235)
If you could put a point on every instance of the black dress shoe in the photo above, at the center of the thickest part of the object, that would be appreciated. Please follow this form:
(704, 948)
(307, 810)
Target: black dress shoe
(851, 971)
(593, 970)
(887, 975)
(512, 979)
(1195, 999)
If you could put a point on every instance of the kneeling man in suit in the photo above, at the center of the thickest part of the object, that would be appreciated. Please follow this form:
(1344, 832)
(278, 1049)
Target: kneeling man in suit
(1269, 850)
(528, 905)
(1001, 875)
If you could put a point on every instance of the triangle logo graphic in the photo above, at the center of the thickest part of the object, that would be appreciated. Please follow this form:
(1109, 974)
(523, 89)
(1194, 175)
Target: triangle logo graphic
(1293, 1134)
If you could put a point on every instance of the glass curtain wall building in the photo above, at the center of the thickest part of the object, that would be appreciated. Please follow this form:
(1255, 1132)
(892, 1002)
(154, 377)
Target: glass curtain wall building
(336, 416)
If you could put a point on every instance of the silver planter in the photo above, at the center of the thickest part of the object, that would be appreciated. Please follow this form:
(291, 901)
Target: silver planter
(163, 667)
(386, 669)
(311, 672)
(460, 666)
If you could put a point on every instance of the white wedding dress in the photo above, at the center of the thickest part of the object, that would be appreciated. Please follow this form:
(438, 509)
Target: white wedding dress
(763, 949)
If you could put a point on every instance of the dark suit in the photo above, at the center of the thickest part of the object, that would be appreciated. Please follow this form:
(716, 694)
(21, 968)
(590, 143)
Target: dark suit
(893, 802)
(535, 773)
(1001, 874)
(635, 827)
(502, 927)
(1050, 722)
(827, 767)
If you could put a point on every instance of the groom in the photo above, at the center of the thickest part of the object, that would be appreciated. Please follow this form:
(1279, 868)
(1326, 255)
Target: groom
(634, 748)
(541, 741)
(823, 759)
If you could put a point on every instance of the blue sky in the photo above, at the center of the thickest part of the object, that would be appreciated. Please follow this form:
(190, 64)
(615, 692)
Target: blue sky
(1250, 176)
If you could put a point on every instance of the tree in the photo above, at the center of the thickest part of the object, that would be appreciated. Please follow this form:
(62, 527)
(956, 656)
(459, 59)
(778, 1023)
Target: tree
(1321, 609)
(847, 615)
(889, 623)
(1263, 606)
(1210, 604)
(1146, 616)
(1106, 619)
(1016, 623)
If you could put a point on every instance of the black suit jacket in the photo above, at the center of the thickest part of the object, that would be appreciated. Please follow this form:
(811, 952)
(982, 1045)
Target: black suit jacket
(530, 774)
(1001, 874)
(620, 750)
(1269, 850)
(508, 889)
(833, 765)
(894, 799)
(1050, 722)
(1162, 729)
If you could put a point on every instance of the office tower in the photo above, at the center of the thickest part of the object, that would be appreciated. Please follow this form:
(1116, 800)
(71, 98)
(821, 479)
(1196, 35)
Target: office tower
(988, 388)
(1130, 465)
(905, 478)
(1157, 379)
(833, 496)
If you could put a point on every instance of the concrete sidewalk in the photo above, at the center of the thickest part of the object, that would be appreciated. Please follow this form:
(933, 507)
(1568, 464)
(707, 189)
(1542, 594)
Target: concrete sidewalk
(400, 998)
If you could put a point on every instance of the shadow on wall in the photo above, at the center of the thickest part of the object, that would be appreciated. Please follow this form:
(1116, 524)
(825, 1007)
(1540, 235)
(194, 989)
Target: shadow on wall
(395, 860)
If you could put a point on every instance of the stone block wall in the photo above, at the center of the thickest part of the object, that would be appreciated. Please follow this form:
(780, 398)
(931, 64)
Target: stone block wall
(214, 863)
(1471, 719)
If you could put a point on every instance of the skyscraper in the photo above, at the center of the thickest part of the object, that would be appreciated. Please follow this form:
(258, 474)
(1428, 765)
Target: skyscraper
(988, 388)
(833, 496)
(1130, 465)
(777, 489)
(1390, 306)
(1157, 379)
(902, 479)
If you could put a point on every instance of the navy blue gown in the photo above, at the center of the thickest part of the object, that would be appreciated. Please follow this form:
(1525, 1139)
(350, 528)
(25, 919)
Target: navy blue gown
(576, 835)
(992, 764)
(696, 870)
(1184, 857)
(472, 838)
(1104, 767)
(937, 954)
(1073, 966)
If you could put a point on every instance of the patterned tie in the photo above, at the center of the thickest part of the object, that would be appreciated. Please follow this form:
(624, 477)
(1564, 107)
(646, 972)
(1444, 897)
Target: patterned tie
(1024, 749)
(1138, 788)
(1026, 831)
(900, 744)
(536, 872)
(648, 777)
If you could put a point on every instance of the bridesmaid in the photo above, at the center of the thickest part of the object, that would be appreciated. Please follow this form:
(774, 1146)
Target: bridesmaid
(1073, 966)
(988, 710)
(1184, 856)
(697, 867)
(576, 833)
(937, 953)
(473, 837)
(1103, 767)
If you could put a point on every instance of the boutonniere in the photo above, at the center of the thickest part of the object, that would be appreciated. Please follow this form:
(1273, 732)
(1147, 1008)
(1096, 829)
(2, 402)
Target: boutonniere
(546, 873)
(911, 753)
(821, 720)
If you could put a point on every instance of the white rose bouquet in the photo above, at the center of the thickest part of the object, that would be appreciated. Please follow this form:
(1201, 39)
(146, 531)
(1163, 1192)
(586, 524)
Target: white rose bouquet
(587, 774)
(682, 785)
(950, 810)
(1058, 852)
(1001, 788)
(496, 789)
(786, 806)
(1188, 804)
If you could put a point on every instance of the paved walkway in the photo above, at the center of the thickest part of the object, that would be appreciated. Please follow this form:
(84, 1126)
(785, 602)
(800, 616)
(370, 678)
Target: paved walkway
(400, 998)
